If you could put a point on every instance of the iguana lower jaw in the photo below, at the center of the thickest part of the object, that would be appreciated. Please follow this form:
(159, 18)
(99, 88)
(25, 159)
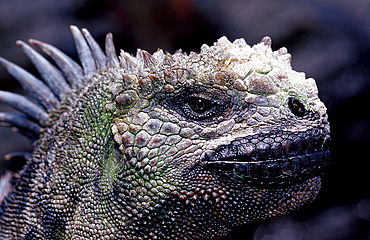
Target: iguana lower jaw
(274, 173)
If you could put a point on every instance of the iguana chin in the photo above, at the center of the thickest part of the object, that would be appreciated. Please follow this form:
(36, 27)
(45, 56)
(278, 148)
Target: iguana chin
(161, 146)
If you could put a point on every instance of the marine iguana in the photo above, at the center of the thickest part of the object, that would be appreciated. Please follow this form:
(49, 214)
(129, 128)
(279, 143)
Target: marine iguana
(161, 146)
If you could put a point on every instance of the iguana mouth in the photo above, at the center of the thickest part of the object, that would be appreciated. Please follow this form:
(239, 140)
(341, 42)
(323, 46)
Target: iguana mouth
(277, 158)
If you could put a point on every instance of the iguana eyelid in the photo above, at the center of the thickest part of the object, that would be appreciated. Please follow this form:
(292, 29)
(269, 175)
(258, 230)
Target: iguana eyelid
(181, 103)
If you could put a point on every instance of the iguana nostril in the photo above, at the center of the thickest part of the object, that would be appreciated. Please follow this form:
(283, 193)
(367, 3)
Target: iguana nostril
(297, 107)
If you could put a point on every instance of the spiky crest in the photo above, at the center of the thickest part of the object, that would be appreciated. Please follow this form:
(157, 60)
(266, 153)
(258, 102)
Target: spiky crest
(46, 94)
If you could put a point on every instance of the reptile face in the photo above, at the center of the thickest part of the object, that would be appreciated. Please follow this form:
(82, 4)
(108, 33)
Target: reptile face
(234, 133)
(276, 156)
(279, 156)
(182, 146)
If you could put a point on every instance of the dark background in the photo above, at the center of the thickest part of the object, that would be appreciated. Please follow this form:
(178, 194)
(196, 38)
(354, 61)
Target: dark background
(329, 41)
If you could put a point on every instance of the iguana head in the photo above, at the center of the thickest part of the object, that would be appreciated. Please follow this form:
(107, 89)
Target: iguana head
(231, 135)
(179, 146)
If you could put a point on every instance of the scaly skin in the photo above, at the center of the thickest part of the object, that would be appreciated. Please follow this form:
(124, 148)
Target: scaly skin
(174, 147)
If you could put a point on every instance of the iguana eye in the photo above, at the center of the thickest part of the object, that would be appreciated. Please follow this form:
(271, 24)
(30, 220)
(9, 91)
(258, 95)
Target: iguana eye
(200, 105)
(200, 108)
(296, 107)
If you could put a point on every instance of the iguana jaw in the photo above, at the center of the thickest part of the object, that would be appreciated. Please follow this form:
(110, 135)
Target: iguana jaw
(291, 161)
(284, 171)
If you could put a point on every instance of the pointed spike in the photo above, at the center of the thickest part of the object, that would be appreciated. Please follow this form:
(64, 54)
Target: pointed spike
(178, 51)
(282, 51)
(27, 133)
(70, 68)
(51, 75)
(21, 121)
(159, 55)
(240, 42)
(5, 184)
(17, 155)
(99, 56)
(266, 41)
(112, 60)
(222, 41)
(32, 85)
(23, 104)
(145, 57)
(127, 62)
(84, 52)
(168, 58)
